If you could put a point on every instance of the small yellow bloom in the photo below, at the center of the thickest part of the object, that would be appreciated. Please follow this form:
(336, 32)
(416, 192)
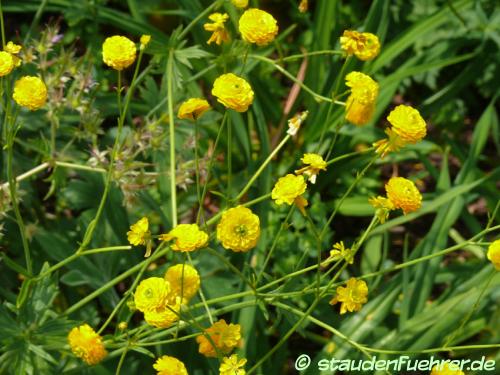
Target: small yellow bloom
(303, 6)
(240, 3)
(122, 326)
(193, 108)
(238, 229)
(30, 92)
(6, 63)
(352, 297)
(166, 365)
(340, 251)
(145, 39)
(219, 33)
(360, 104)
(188, 237)
(403, 194)
(257, 26)
(494, 254)
(224, 336)
(365, 46)
(233, 92)
(232, 366)
(14, 50)
(118, 52)
(407, 124)
(139, 232)
(446, 369)
(152, 294)
(295, 122)
(382, 207)
(164, 317)
(86, 344)
(288, 188)
(314, 164)
(183, 279)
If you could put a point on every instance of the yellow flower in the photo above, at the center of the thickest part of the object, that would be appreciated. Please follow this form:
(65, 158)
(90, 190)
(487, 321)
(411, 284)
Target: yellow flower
(219, 33)
(240, 3)
(403, 194)
(122, 326)
(139, 232)
(304, 4)
(6, 63)
(233, 92)
(352, 296)
(407, 124)
(164, 317)
(360, 104)
(118, 52)
(238, 229)
(152, 294)
(193, 108)
(446, 369)
(86, 344)
(188, 237)
(166, 365)
(183, 279)
(232, 366)
(14, 50)
(145, 39)
(494, 254)
(257, 26)
(340, 251)
(365, 46)
(224, 336)
(295, 122)
(382, 207)
(314, 164)
(288, 188)
(30, 92)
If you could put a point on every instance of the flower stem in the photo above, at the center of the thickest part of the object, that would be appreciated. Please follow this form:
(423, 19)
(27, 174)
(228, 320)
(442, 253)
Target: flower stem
(171, 127)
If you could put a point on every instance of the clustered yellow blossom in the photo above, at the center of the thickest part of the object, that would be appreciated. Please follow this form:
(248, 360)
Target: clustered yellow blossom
(86, 344)
(165, 316)
(166, 365)
(152, 294)
(240, 3)
(407, 127)
(314, 164)
(193, 108)
(401, 194)
(6, 63)
(232, 366)
(139, 235)
(257, 26)
(30, 92)
(184, 281)
(446, 369)
(289, 190)
(352, 297)
(303, 6)
(233, 92)
(187, 237)
(14, 50)
(365, 46)
(224, 336)
(295, 122)
(360, 104)
(219, 32)
(118, 52)
(494, 254)
(339, 251)
(238, 229)
(145, 39)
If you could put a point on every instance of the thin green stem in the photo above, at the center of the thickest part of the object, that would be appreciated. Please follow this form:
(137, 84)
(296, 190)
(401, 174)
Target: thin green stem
(171, 128)
(313, 53)
(197, 163)
(229, 156)
(2, 27)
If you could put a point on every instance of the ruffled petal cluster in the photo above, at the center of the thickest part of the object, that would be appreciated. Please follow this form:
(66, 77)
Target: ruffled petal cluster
(30, 92)
(118, 52)
(152, 294)
(232, 366)
(494, 254)
(224, 336)
(258, 27)
(288, 189)
(193, 108)
(365, 46)
(233, 92)
(238, 229)
(351, 297)
(166, 365)
(86, 344)
(184, 281)
(186, 237)
(360, 105)
(403, 194)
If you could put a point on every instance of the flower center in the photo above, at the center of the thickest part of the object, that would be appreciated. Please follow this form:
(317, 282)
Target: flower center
(241, 230)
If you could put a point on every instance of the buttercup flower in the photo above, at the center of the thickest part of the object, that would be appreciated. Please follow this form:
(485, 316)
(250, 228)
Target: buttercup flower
(219, 33)
(183, 279)
(314, 164)
(295, 122)
(86, 344)
(382, 207)
(360, 105)
(152, 294)
(139, 234)
(6, 63)
(240, 3)
(164, 317)
(303, 6)
(446, 369)
(365, 46)
(233, 92)
(30, 92)
(494, 254)
(288, 189)
(257, 26)
(187, 237)
(403, 194)
(340, 251)
(232, 366)
(118, 52)
(193, 108)
(166, 365)
(352, 296)
(14, 50)
(238, 229)
(224, 336)
(145, 39)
